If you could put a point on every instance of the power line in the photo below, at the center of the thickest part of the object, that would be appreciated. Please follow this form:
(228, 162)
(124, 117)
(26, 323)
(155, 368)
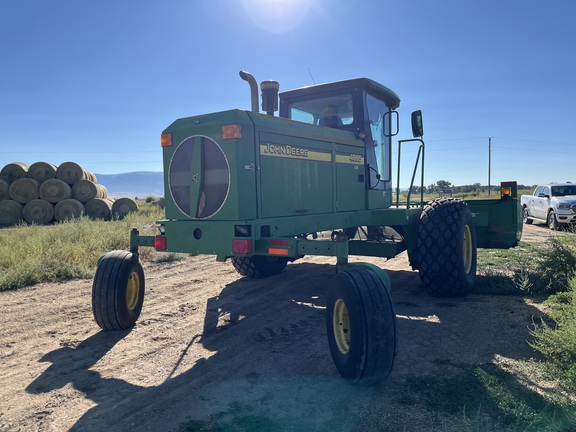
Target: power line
(78, 152)
(534, 141)
(535, 150)
(457, 139)
(504, 139)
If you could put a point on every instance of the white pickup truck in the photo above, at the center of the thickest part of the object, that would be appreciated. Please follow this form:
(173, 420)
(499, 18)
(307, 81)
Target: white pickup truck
(553, 203)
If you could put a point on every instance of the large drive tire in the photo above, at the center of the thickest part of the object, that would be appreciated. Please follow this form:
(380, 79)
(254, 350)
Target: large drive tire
(259, 266)
(447, 247)
(552, 221)
(361, 326)
(526, 218)
(118, 290)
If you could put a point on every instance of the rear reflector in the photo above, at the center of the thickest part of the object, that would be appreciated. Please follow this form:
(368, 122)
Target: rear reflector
(278, 242)
(231, 131)
(277, 251)
(166, 140)
(160, 243)
(240, 246)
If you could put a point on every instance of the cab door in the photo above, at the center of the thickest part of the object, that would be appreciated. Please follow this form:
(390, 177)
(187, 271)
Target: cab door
(541, 203)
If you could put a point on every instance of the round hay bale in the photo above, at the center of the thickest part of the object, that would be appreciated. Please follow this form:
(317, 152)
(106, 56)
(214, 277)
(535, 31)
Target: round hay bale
(85, 190)
(159, 203)
(14, 171)
(70, 172)
(68, 209)
(4, 190)
(24, 190)
(42, 171)
(91, 176)
(123, 206)
(10, 212)
(99, 208)
(38, 211)
(54, 190)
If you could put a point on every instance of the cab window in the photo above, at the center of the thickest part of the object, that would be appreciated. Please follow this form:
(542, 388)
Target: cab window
(379, 141)
(333, 111)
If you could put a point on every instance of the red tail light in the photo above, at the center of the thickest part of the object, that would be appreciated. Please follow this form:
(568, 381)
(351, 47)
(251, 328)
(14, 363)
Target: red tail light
(160, 243)
(241, 246)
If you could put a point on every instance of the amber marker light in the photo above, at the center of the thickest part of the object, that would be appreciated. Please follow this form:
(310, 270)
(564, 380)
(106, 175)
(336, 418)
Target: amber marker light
(231, 131)
(166, 139)
(506, 192)
(277, 251)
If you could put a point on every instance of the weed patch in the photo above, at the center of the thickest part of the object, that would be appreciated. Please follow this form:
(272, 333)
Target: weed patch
(487, 395)
(166, 257)
(67, 250)
(237, 418)
(555, 336)
(528, 269)
(508, 271)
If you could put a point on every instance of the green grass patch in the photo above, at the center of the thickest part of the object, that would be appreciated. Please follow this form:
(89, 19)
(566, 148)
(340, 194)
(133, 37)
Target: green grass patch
(484, 397)
(169, 257)
(542, 270)
(69, 250)
(507, 271)
(555, 337)
(239, 417)
(528, 269)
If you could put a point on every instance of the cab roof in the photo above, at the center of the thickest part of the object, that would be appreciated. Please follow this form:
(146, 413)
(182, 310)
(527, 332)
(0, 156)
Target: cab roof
(390, 98)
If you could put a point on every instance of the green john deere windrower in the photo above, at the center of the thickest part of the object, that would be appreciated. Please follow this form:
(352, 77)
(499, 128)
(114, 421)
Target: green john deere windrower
(256, 189)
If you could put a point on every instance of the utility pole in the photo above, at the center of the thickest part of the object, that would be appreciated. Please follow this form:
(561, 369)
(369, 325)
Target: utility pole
(489, 161)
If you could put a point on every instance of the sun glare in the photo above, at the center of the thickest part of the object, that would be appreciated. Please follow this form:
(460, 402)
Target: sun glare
(277, 16)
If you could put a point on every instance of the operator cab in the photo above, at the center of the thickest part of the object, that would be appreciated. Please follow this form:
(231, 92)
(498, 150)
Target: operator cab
(361, 106)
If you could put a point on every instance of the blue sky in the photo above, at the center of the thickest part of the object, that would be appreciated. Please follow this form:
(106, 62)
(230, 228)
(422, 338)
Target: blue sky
(97, 82)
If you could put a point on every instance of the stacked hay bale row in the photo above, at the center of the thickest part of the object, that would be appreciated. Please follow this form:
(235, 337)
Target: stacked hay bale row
(42, 193)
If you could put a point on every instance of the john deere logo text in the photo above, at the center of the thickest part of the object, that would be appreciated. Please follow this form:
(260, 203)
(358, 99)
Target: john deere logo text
(285, 150)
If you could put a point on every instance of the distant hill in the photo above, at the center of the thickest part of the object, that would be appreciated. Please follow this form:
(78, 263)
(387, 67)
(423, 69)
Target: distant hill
(135, 184)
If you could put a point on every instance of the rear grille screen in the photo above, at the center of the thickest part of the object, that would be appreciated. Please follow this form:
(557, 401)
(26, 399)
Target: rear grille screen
(199, 177)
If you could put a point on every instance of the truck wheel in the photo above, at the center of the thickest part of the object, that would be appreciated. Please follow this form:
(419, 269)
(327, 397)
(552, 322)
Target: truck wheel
(447, 247)
(118, 290)
(259, 266)
(361, 326)
(552, 221)
(526, 219)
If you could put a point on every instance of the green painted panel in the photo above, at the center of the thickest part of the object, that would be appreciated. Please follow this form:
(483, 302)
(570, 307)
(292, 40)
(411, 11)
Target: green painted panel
(350, 182)
(295, 186)
(379, 199)
(199, 237)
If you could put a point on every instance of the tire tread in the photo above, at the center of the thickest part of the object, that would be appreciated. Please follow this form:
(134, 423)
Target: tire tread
(439, 251)
(109, 278)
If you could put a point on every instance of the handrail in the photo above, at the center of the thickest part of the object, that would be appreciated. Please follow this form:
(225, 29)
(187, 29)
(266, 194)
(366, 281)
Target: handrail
(421, 151)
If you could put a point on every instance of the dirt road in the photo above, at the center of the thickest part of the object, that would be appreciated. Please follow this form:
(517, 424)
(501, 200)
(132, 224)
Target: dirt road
(213, 351)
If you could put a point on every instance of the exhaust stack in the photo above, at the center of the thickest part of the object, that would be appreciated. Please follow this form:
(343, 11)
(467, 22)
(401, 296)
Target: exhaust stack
(246, 76)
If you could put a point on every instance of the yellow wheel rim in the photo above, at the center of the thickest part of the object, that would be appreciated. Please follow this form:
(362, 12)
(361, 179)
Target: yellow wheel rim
(467, 249)
(341, 326)
(132, 290)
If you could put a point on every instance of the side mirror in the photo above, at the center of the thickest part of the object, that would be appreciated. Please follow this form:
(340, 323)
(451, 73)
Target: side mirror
(389, 118)
(417, 126)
